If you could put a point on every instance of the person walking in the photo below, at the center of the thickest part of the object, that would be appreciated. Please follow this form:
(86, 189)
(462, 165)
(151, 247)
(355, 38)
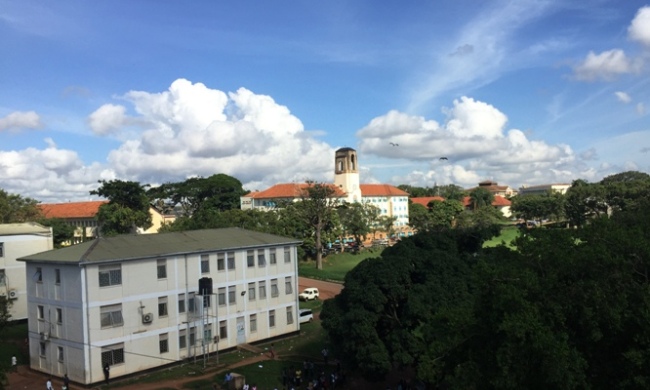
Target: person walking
(14, 363)
(66, 382)
(48, 384)
(107, 372)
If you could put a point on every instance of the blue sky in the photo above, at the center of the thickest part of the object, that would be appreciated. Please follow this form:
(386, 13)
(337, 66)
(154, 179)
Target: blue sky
(521, 92)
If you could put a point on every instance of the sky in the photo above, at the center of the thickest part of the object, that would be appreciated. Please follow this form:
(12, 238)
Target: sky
(521, 92)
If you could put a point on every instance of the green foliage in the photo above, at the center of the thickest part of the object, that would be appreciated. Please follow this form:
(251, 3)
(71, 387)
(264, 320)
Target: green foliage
(449, 191)
(317, 210)
(481, 197)
(127, 209)
(538, 207)
(15, 209)
(61, 230)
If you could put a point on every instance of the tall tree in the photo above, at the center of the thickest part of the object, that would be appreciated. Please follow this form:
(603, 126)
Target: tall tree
(127, 208)
(319, 204)
(480, 197)
(14, 208)
(61, 230)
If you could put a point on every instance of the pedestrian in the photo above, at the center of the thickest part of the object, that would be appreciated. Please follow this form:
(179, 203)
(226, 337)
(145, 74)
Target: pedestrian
(324, 352)
(48, 384)
(107, 372)
(66, 382)
(272, 351)
(14, 363)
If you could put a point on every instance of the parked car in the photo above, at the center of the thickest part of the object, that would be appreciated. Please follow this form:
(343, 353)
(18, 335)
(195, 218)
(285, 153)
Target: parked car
(305, 315)
(308, 294)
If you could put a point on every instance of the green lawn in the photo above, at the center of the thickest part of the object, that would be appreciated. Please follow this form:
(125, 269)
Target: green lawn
(508, 234)
(335, 266)
(12, 341)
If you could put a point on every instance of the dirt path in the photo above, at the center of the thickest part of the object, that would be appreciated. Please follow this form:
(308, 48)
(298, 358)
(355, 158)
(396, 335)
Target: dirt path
(26, 378)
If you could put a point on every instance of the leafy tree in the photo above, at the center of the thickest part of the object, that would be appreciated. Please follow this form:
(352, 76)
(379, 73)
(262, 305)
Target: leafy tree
(319, 204)
(127, 208)
(480, 197)
(539, 207)
(419, 217)
(625, 189)
(584, 200)
(451, 192)
(219, 192)
(443, 214)
(61, 230)
(14, 208)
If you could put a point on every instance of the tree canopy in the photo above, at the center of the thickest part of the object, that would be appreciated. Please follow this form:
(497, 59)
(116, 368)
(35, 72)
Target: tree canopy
(127, 208)
(15, 208)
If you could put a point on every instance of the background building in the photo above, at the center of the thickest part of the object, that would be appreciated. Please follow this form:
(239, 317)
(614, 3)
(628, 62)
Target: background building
(542, 189)
(18, 240)
(133, 301)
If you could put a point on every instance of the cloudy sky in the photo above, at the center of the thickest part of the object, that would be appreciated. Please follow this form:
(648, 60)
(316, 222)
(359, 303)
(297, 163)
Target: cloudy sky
(521, 92)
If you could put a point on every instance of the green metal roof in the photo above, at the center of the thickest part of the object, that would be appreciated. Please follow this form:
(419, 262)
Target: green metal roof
(132, 247)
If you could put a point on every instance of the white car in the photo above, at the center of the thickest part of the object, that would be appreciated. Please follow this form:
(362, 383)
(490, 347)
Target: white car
(308, 294)
(305, 315)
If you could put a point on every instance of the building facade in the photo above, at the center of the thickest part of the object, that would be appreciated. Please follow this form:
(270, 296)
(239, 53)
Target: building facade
(390, 200)
(133, 302)
(18, 240)
(543, 189)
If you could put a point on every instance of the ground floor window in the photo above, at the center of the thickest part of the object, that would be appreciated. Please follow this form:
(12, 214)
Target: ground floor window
(112, 355)
(163, 343)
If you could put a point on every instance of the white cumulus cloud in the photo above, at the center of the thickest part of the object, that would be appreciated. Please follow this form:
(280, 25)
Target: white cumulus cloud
(639, 29)
(19, 120)
(107, 119)
(623, 97)
(606, 66)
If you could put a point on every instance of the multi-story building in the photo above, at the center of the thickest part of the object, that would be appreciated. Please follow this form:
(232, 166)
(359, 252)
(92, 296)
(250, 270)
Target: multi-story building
(133, 301)
(495, 189)
(390, 200)
(83, 216)
(542, 189)
(18, 240)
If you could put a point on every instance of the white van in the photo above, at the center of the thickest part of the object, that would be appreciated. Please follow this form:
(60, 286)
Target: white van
(305, 315)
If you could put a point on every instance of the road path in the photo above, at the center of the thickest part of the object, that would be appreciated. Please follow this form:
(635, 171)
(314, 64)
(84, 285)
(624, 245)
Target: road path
(26, 378)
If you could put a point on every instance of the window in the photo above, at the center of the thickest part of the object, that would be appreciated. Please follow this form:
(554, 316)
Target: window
(3, 278)
(60, 354)
(2, 249)
(42, 349)
(262, 288)
(250, 258)
(163, 343)
(182, 339)
(253, 323)
(181, 303)
(162, 307)
(272, 318)
(223, 330)
(191, 302)
(39, 275)
(192, 336)
(59, 315)
(207, 333)
(272, 257)
(288, 289)
(287, 254)
(110, 276)
(274, 288)
(231, 260)
(251, 291)
(162, 269)
(111, 316)
(289, 315)
(113, 355)
(232, 291)
(57, 276)
(40, 313)
(207, 301)
(221, 296)
(205, 264)
(221, 261)
(261, 260)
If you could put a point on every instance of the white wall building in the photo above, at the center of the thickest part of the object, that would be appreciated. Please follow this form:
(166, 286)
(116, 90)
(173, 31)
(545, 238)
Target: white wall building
(18, 240)
(132, 301)
(543, 189)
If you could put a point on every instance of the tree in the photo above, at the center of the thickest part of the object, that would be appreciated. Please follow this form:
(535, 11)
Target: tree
(624, 190)
(127, 208)
(480, 197)
(583, 201)
(538, 207)
(61, 230)
(14, 208)
(444, 213)
(318, 207)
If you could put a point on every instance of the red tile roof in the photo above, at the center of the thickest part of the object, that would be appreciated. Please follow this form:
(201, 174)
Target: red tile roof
(499, 201)
(381, 190)
(424, 201)
(71, 209)
(288, 190)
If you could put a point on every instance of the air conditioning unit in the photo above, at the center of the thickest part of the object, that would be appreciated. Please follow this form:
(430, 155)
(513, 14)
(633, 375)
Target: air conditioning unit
(13, 294)
(147, 318)
(45, 336)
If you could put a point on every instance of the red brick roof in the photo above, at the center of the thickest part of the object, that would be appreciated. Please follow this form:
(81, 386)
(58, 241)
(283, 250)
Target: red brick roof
(381, 190)
(424, 201)
(288, 190)
(71, 209)
(499, 201)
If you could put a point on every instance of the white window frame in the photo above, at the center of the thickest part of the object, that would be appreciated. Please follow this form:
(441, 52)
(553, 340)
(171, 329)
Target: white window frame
(112, 275)
(110, 316)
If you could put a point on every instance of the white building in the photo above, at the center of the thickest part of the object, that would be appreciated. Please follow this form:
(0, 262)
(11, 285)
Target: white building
(543, 189)
(18, 240)
(390, 200)
(132, 301)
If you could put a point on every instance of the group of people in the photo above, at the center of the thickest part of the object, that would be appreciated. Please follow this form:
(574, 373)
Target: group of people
(308, 377)
(66, 383)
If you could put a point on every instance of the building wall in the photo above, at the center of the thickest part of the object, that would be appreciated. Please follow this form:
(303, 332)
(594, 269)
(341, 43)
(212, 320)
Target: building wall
(140, 292)
(13, 247)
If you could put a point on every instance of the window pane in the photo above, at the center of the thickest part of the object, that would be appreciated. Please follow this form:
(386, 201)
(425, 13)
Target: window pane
(250, 258)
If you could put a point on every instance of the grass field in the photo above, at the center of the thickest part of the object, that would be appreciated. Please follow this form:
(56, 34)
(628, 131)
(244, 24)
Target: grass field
(335, 266)
(508, 234)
